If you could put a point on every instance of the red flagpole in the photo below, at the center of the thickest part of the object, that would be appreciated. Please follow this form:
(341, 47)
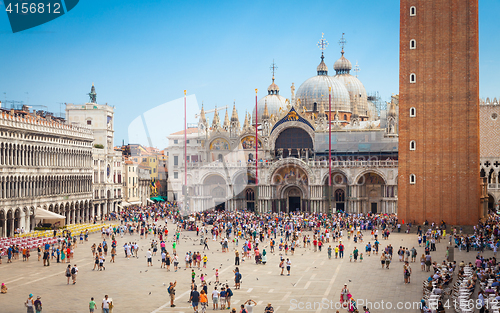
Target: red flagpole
(329, 150)
(185, 153)
(330, 136)
(256, 142)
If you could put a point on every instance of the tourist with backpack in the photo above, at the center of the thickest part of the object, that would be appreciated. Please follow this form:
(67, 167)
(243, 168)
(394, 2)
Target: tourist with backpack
(229, 294)
(237, 278)
(171, 293)
(74, 272)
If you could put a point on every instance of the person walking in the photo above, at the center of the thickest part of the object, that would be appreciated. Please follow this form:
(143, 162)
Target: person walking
(38, 305)
(68, 272)
(106, 304)
(282, 266)
(407, 272)
(30, 303)
(288, 266)
(74, 272)
(92, 305)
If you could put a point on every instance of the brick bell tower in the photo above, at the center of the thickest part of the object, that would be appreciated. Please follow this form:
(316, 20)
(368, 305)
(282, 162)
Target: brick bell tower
(438, 175)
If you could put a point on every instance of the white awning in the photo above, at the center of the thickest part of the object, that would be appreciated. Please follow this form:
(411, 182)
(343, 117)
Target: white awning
(41, 214)
(150, 200)
(125, 203)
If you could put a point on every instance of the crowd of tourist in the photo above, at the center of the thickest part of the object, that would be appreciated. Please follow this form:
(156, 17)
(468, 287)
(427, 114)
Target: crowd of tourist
(245, 233)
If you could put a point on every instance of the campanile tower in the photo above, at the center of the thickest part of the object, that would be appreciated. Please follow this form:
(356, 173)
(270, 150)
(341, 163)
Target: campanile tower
(439, 112)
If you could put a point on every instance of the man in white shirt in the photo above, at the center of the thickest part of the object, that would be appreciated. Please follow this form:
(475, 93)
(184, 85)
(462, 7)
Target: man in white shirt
(74, 272)
(149, 257)
(105, 304)
(249, 305)
(215, 298)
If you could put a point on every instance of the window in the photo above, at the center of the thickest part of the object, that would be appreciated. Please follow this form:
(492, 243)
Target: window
(345, 117)
(413, 145)
(413, 112)
(89, 122)
(413, 11)
(494, 116)
(144, 159)
(413, 44)
(187, 141)
(413, 179)
(176, 160)
(176, 141)
(413, 78)
(176, 175)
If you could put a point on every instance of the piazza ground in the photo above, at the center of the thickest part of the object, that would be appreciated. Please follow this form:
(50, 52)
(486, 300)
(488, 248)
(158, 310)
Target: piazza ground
(136, 288)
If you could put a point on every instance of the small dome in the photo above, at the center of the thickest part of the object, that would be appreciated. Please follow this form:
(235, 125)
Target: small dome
(274, 103)
(273, 89)
(342, 65)
(322, 69)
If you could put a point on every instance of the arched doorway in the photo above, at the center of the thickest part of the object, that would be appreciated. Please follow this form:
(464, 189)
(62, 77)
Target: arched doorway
(371, 187)
(250, 199)
(215, 187)
(290, 180)
(491, 202)
(293, 196)
(2, 224)
(10, 224)
(337, 191)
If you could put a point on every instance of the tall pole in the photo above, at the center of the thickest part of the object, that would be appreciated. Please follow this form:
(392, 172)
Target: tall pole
(256, 155)
(329, 151)
(185, 154)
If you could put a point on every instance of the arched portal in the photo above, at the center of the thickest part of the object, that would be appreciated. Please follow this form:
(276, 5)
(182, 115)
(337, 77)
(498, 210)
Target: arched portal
(215, 186)
(491, 202)
(371, 188)
(337, 191)
(293, 196)
(293, 142)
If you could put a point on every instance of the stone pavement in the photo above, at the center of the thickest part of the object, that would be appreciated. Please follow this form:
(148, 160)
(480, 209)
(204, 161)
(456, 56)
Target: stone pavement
(136, 288)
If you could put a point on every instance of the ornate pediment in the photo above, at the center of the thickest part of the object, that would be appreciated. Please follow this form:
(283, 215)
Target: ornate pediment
(292, 116)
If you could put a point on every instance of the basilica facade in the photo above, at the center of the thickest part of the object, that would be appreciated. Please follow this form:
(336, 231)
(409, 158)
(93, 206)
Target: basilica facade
(278, 160)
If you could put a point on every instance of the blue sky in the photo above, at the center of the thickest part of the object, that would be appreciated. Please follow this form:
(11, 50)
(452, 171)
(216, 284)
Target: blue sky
(141, 54)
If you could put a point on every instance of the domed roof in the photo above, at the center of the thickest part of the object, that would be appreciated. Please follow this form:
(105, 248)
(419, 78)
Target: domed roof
(357, 92)
(315, 90)
(342, 65)
(274, 103)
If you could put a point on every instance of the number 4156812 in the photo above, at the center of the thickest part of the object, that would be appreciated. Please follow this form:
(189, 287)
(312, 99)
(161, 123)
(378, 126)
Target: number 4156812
(26, 8)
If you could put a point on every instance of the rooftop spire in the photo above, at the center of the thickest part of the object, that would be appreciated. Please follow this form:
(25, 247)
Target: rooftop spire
(342, 43)
(322, 69)
(226, 120)
(266, 111)
(273, 89)
(202, 114)
(234, 115)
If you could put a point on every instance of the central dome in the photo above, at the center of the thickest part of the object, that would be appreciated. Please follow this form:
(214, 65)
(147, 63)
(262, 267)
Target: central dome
(314, 91)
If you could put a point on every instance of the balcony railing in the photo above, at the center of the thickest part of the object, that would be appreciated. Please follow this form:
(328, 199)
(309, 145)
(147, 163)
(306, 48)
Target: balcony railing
(324, 163)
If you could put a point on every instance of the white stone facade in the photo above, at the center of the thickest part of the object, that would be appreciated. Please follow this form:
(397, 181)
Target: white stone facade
(43, 164)
(107, 163)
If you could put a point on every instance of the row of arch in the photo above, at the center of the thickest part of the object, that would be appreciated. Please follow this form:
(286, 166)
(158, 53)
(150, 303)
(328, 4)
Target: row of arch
(13, 154)
(25, 217)
(34, 186)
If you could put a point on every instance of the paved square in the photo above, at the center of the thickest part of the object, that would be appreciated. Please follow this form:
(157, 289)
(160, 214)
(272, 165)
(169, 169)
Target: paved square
(134, 287)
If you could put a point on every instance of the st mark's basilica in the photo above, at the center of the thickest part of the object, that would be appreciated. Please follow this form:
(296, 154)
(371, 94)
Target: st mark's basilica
(293, 151)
